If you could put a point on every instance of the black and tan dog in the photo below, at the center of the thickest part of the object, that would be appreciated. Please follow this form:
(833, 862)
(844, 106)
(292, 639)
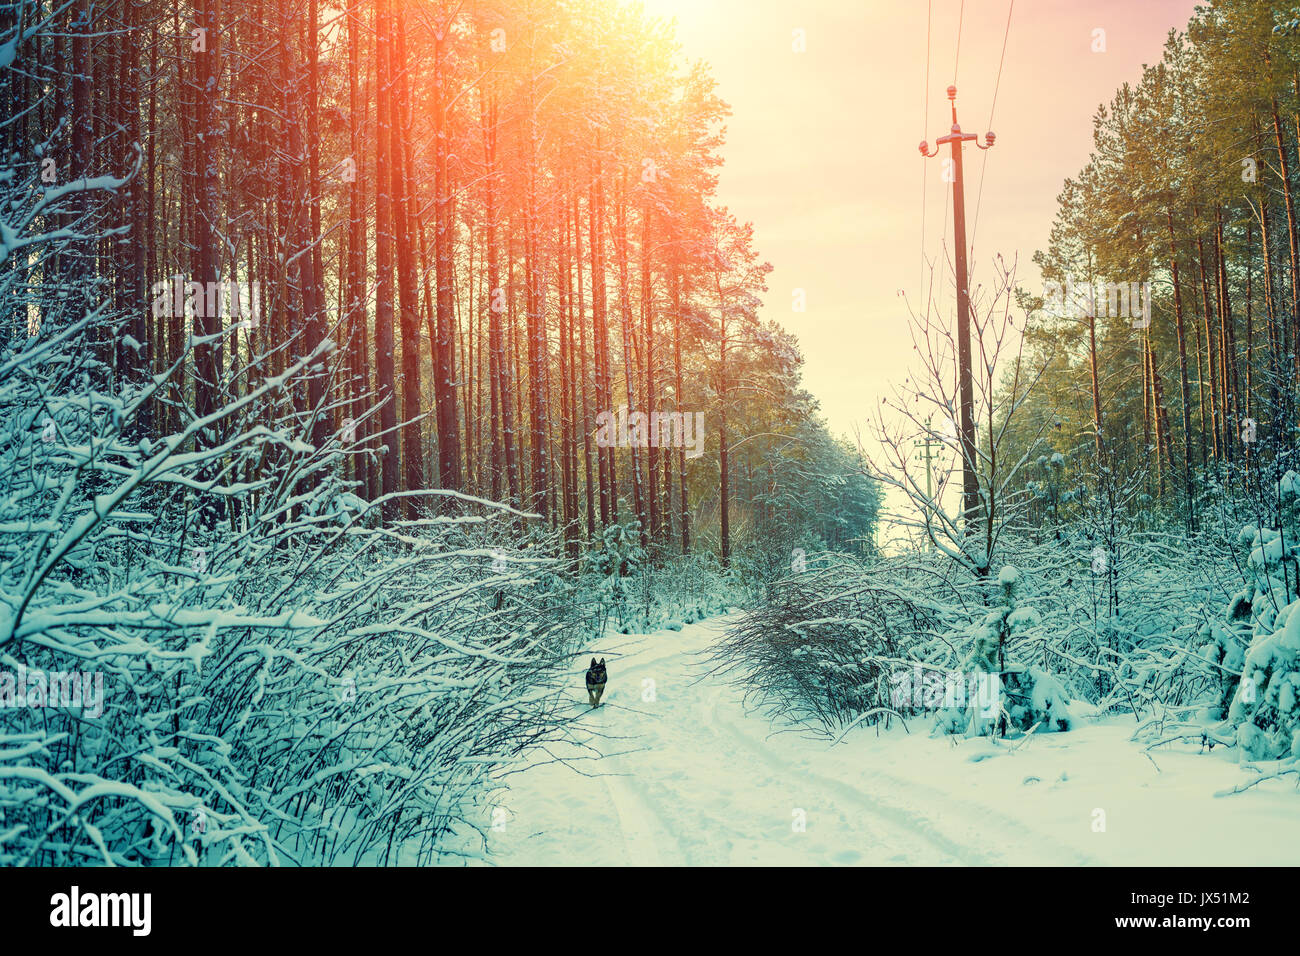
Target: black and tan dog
(596, 678)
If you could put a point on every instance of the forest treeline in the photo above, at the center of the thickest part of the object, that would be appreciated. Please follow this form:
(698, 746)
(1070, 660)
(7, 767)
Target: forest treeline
(1167, 325)
(499, 214)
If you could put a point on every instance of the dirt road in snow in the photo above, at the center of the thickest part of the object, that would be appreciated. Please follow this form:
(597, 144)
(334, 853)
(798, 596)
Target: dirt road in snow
(685, 777)
(693, 780)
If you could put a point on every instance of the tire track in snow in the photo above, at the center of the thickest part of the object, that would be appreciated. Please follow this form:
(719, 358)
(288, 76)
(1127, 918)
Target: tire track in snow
(635, 811)
(683, 727)
(883, 822)
(973, 816)
(698, 824)
(635, 829)
(913, 825)
(1026, 838)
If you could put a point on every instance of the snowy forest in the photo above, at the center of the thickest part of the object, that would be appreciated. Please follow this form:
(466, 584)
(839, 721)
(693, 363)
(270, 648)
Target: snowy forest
(369, 367)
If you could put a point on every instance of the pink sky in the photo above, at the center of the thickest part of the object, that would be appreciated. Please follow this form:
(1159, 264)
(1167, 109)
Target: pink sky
(821, 152)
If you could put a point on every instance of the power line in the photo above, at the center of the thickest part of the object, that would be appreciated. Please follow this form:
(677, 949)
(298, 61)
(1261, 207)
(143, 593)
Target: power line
(1001, 60)
(979, 198)
(957, 59)
(925, 119)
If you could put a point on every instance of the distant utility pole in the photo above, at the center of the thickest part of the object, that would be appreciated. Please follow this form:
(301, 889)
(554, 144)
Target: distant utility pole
(969, 481)
(927, 444)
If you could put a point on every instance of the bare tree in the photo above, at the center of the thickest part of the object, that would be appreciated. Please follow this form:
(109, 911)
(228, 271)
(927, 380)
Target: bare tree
(924, 409)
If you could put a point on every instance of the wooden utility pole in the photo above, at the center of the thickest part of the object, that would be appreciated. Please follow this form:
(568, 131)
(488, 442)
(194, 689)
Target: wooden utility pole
(969, 481)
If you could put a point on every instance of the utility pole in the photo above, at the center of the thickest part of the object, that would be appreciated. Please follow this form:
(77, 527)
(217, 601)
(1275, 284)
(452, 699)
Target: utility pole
(926, 444)
(969, 481)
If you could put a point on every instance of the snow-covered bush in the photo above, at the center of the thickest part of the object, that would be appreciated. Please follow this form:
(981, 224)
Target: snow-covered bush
(1223, 646)
(1028, 696)
(1126, 631)
(823, 646)
(763, 559)
(688, 588)
(636, 590)
(271, 675)
(1124, 616)
(1266, 706)
(612, 571)
(1263, 706)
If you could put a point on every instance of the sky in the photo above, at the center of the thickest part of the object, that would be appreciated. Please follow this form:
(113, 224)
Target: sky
(822, 156)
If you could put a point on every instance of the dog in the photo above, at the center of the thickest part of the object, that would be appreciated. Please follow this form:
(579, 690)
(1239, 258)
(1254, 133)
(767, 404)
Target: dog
(596, 678)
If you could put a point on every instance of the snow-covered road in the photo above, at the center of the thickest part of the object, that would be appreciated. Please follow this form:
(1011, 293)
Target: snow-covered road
(687, 777)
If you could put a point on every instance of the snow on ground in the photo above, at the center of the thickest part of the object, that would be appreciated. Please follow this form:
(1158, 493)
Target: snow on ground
(689, 777)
